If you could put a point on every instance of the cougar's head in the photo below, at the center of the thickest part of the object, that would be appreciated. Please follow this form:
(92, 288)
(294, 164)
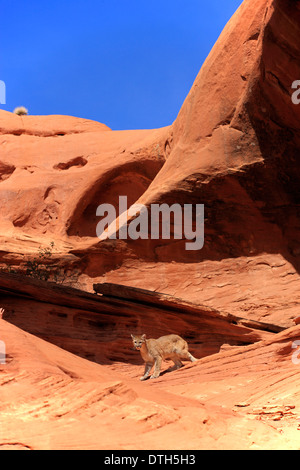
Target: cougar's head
(138, 341)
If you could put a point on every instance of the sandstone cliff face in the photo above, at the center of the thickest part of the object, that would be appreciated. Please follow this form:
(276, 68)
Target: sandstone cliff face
(234, 147)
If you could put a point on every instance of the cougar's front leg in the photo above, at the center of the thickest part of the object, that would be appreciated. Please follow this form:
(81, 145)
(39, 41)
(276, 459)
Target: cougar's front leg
(148, 367)
(157, 366)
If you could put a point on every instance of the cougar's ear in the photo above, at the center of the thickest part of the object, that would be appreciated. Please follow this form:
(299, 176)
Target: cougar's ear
(143, 337)
(132, 336)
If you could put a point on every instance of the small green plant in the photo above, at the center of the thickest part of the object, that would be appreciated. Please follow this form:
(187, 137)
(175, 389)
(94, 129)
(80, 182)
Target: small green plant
(42, 268)
(21, 111)
(37, 268)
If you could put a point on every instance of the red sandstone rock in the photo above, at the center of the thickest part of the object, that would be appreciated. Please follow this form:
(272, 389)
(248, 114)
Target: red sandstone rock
(244, 398)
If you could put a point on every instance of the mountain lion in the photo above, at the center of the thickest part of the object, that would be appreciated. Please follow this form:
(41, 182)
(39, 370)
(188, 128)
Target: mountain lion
(153, 351)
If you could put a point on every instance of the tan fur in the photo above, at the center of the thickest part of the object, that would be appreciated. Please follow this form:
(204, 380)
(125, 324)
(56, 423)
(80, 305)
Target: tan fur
(154, 351)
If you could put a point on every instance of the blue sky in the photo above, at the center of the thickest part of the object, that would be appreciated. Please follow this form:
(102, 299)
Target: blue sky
(127, 63)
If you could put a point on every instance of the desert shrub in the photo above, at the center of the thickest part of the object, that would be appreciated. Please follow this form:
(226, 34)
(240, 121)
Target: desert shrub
(36, 267)
(40, 267)
(21, 111)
